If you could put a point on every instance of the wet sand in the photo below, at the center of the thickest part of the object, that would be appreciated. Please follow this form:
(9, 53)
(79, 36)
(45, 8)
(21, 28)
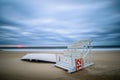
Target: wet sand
(106, 67)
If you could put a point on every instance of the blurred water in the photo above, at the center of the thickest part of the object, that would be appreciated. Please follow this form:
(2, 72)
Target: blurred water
(95, 49)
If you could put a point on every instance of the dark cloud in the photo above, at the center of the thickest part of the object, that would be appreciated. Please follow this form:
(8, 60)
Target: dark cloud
(5, 22)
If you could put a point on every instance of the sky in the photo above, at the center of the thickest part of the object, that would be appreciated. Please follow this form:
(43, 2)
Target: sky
(59, 22)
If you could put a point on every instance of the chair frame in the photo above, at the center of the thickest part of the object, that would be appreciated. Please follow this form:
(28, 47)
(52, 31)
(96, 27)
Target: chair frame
(78, 51)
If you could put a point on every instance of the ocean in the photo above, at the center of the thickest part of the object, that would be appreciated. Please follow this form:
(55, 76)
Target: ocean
(93, 49)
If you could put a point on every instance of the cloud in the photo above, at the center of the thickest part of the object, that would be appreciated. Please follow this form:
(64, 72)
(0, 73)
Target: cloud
(35, 22)
(9, 28)
(48, 22)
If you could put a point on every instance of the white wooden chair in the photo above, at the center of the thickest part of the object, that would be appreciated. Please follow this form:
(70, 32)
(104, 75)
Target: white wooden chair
(76, 57)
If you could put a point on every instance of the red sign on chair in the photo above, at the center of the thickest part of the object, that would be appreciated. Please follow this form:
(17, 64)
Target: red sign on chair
(79, 64)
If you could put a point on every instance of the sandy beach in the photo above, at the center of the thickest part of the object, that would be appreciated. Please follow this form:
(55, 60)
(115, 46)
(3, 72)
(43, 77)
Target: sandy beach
(106, 67)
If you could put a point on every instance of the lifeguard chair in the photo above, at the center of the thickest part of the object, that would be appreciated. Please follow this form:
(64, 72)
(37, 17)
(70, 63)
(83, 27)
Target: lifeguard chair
(76, 57)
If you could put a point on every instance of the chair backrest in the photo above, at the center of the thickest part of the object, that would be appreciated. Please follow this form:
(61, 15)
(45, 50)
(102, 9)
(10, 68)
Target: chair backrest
(80, 44)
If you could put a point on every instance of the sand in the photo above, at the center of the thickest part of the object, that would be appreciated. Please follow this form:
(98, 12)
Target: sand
(106, 67)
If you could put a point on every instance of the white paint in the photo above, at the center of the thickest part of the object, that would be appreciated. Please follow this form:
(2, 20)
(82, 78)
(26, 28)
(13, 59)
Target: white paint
(42, 57)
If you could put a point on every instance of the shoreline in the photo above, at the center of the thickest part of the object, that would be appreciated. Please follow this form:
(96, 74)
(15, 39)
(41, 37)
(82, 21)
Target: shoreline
(57, 50)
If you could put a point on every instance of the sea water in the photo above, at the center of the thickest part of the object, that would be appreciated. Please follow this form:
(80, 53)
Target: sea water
(94, 49)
